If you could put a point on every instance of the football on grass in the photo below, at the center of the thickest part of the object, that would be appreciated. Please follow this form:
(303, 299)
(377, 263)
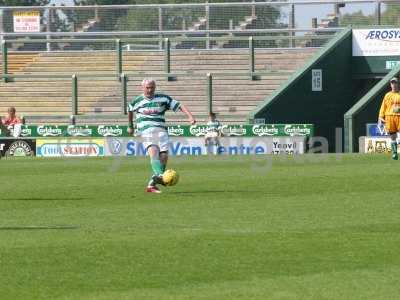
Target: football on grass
(170, 177)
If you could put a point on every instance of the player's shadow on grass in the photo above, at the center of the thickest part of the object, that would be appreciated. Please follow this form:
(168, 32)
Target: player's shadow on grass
(368, 228)
(42, 199)
(51, 227)
(210, 192)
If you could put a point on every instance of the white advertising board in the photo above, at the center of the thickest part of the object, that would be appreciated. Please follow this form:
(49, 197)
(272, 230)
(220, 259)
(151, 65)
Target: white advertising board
(376, 42)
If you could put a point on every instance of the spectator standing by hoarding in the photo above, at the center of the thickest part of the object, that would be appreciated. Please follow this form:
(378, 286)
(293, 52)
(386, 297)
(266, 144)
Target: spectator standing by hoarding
(213, 133)
(12, 122)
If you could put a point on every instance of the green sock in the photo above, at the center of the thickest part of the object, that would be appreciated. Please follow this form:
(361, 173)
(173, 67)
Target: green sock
(156, 166)
(394, 147)
(163, 168)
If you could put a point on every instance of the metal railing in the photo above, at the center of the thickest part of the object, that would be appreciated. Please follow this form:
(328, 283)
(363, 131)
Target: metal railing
(116, 45)
(200, 18)
(125, 78)
(153, 40)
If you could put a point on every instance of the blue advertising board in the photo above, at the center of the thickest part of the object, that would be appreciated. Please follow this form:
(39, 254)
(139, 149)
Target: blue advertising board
(374, 129)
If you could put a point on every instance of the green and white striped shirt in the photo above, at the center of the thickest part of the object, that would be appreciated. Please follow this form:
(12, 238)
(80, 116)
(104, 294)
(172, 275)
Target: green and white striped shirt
(150, 113)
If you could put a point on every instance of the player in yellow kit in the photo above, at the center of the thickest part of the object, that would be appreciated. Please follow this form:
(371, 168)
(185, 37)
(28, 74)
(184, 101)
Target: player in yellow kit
(389, 114)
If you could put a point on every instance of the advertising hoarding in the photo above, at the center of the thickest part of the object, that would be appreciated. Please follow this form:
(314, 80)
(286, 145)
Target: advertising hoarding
(376, 144)
(245, 130)
(17, 147)
(195, 146)
(376, 42)
(69, 147)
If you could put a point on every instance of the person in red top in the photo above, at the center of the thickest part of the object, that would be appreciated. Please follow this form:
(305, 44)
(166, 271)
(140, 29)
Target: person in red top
(11, 118)
(12, 122)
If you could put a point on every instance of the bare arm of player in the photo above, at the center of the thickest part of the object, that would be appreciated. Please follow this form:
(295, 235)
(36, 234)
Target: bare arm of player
(191, 119)
(130, 122)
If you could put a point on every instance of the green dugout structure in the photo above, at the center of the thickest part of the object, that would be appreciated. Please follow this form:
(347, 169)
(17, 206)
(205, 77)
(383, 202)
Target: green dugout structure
(335, 89)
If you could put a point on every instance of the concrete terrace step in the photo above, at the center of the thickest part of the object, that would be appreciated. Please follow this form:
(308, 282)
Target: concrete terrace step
(56, 101)
(17, 61)
(66, 65)
(233, 96)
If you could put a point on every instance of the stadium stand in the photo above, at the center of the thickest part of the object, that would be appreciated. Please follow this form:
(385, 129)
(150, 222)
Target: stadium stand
(205, 38)
(18, 61)
(234, 96)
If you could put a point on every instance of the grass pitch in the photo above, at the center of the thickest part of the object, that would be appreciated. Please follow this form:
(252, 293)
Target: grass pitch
(315, 227)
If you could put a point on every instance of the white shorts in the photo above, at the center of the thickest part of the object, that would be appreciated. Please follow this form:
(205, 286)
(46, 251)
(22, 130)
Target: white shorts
(211, 134)
(157, 137)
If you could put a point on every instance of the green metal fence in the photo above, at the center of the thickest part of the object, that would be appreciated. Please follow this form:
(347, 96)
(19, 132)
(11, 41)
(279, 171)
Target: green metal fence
(125, 78)
(117, 46)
